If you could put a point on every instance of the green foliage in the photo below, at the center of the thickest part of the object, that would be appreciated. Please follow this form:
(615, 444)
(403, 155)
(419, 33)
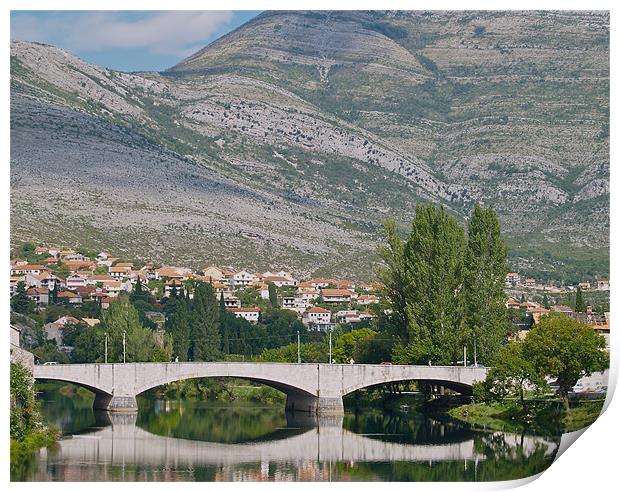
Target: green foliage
(122, 318)
(20, 302)
(392, 276)
(310, 352)
(509, 377)
(273, 295)
(346, 345)
(434, 270)
(179, 329)
(205, 324)
(560, 347)
(48, 352)
(446, 292)
(89, 345)
(580, 305)
(485, 273)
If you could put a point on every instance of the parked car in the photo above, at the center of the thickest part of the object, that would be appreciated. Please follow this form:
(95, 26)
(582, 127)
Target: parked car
(51, 363)
(386, 363)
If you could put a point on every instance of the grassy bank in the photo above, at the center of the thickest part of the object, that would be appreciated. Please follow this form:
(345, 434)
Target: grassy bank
(543, 416)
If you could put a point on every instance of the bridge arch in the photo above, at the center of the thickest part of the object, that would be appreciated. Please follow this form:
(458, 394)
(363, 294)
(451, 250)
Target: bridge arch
(459, 379)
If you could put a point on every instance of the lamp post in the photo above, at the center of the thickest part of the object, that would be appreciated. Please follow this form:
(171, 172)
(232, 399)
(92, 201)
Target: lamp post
(105, 352)
(298, 349)
(464, 355)
(330, 346)
(475, 352)
(124, 348)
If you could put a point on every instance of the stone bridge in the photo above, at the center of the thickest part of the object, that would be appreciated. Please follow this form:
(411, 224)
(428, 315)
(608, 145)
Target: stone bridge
(309, 387)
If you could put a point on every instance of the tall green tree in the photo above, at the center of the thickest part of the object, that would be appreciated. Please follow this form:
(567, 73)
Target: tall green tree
(434, 277)
(20, 302)
(139, 293)
(580, 305)
(393, 279)
(89, 345)
(485, 272)
(205, 324)
(273, 295)
(180, 330)
(53, 294)
(121, 317)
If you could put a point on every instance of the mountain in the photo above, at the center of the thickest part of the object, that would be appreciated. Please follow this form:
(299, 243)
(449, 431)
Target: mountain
(288, 141)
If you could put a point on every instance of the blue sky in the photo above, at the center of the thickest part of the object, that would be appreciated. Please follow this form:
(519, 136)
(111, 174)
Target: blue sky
(127, 40)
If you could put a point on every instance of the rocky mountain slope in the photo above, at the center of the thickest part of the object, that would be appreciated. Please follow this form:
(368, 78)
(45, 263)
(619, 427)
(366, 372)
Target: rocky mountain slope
(289, 141)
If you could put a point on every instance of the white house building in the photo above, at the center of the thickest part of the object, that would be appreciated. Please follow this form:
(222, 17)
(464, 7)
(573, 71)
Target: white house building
(243, 279)
(249, 314)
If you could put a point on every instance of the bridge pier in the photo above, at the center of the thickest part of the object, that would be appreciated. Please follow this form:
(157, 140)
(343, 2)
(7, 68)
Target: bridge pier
(323, 405)
(112, 403)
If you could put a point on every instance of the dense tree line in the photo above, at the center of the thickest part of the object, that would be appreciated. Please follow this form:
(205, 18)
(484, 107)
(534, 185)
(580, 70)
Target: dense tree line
(202, 329)
(446, 287)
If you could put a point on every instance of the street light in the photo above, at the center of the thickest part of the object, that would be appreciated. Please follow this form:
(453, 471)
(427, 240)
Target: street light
(105, 356)
(475, 352)
(330, 345)
(124, 348)
(298, 349)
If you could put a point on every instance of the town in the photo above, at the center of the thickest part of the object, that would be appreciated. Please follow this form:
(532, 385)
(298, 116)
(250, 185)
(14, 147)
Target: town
(85, 284)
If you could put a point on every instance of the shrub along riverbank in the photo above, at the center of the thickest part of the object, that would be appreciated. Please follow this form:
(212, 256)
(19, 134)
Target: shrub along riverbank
(28, 432)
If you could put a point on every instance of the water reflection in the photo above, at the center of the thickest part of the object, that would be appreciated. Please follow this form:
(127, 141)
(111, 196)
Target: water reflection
(203, 442)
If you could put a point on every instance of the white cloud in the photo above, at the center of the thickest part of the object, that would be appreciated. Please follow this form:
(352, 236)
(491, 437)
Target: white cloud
(162, 33)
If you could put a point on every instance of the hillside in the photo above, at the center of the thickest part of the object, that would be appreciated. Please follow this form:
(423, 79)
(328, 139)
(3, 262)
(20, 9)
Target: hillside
(289, 141)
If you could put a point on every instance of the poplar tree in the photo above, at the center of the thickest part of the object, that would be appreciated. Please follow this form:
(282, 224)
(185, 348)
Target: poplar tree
(205, 324)
(392, 277)
(485, 271)
(433, 288)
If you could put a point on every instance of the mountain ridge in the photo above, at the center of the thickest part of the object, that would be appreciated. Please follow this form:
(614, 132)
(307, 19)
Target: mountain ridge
(460, 107)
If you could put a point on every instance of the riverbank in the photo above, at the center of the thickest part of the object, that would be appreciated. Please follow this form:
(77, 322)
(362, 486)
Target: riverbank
(546, 415)
(28, 433)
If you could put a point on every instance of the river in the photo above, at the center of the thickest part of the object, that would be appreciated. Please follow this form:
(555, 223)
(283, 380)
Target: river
(205, 441)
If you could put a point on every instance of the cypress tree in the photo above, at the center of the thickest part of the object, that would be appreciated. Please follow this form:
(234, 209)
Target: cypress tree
(205, 324)
(180, 330)
(485, 300)
(273, 295)
(580, 305)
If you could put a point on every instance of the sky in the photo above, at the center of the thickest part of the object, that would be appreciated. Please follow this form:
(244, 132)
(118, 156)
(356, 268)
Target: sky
(127, 40)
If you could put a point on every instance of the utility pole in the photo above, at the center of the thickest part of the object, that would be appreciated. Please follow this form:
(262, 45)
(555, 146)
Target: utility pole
(105, 357)
(330, 346)
(298, 349)
(124, 348)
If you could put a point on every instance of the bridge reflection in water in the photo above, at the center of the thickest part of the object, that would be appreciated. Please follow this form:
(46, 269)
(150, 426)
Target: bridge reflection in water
(313, 438)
